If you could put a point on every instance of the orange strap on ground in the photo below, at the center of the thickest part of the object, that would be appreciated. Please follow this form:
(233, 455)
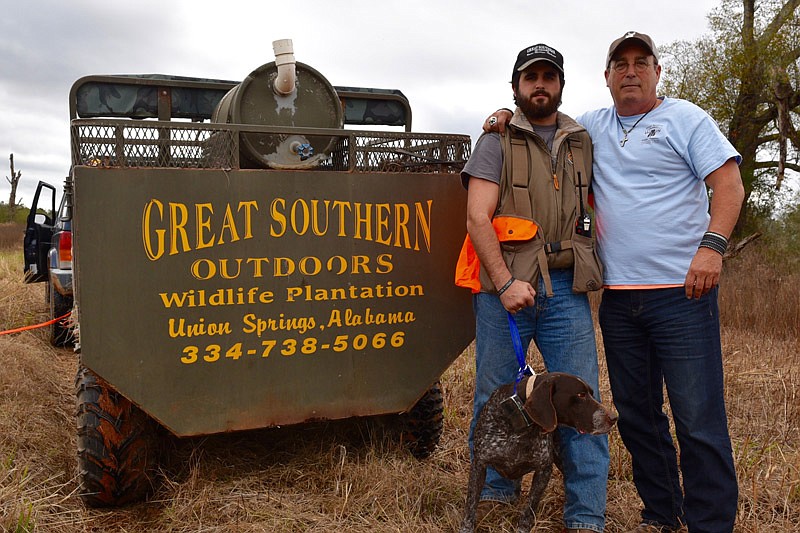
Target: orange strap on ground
(34, 326)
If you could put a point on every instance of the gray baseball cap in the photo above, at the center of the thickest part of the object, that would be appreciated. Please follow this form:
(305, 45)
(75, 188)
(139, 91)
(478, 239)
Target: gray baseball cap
(632, 36)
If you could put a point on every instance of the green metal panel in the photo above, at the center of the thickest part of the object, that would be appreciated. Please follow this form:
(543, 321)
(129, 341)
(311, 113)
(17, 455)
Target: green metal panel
(228, 300)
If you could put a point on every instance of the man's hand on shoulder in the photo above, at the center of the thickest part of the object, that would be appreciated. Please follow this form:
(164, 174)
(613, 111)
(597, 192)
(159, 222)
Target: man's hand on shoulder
(496, 122)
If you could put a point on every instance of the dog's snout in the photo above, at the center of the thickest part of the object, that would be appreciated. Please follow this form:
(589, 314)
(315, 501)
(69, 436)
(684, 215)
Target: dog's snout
(603, 420)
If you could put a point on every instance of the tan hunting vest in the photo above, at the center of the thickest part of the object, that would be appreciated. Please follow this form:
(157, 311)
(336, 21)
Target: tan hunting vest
(549, 190)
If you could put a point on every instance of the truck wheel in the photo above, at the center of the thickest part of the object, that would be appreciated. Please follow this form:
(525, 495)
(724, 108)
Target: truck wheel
(117, 452)
(60, 334)
(423, 424)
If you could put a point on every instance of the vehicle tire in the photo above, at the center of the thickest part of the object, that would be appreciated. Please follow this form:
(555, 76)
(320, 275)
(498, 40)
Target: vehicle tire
(60, 333)
(117, 445)
(423, 424)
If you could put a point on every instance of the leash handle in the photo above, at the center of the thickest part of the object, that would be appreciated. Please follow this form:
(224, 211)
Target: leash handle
(524, 368)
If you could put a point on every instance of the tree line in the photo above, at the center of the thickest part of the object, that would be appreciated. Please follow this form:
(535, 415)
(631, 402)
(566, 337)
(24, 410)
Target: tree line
(746, 74)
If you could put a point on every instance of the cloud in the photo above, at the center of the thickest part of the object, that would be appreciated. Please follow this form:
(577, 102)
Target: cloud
(452, 58)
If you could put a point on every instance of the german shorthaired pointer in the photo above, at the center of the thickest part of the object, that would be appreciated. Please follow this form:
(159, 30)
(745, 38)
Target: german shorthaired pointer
(517, 437)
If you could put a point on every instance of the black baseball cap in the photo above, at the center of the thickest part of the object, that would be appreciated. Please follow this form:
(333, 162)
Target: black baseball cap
(538, 52)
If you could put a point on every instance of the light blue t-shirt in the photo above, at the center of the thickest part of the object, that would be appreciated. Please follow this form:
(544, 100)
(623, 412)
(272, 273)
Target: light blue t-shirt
(650, 198)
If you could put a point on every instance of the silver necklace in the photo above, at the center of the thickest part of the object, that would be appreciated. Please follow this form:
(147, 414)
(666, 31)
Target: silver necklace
(626, 132)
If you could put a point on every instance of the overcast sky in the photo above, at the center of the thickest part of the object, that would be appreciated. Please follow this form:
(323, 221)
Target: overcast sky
(451, 58)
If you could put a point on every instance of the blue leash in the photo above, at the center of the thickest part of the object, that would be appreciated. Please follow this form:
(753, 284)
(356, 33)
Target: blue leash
(524, 368)
(513, 405)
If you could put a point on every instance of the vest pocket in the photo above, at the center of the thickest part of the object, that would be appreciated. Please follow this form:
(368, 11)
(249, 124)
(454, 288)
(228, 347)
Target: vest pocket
(521, 259)
(588, 270)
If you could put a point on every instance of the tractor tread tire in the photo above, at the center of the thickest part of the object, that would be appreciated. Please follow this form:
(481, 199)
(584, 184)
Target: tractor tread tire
(423, 424)
(116, 444)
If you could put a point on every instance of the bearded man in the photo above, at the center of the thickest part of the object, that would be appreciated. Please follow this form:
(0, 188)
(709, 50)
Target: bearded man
(535, 278)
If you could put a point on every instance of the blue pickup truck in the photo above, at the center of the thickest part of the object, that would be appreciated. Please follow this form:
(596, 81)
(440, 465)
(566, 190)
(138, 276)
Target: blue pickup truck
(48, 256)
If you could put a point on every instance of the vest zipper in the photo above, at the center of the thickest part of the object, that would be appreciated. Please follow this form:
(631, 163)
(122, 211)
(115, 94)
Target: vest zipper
(557, 185)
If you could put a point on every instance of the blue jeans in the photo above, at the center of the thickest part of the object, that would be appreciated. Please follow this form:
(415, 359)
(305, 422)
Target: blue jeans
(562, 329)
(654, 337)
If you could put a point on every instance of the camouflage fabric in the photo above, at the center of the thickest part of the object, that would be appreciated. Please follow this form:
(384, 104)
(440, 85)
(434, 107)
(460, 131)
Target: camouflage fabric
(136, 96)
(367, 111)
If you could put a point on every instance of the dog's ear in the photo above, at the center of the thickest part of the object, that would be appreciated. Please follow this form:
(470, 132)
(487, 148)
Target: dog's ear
(539, 404)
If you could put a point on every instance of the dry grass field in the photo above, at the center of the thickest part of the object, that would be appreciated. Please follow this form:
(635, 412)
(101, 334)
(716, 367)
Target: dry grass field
(350, 476)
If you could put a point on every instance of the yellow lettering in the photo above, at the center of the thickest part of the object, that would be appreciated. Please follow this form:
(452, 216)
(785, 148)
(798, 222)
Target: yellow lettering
(203, 224)
(210, 270)
(257, 262)
(283, 266)
(401, 215)
(382, 223)
(178, 218)
(341, 206)
(276, 211)
(364, 219)
(424, 224)
(293, 292)
(385, 264)
(342, 265)
(153, 255)
(248, 221)
(303, 207)
(249, 325)
(360, 265)
(223, 265)
(310, 266)
(319, 232)
(335, 319)
(228, 223)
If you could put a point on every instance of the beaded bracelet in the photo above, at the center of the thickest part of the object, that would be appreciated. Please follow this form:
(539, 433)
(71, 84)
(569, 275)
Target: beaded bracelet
(714, 241)
(505, 287)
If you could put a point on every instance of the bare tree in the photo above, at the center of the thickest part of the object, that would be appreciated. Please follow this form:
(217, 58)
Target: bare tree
(14, 181)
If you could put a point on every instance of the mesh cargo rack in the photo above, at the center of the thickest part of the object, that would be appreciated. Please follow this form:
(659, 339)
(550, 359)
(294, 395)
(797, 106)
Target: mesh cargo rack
(165, 144)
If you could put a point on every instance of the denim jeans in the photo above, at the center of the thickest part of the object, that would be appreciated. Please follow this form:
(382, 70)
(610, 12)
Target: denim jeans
(562, 329)
(654, 337)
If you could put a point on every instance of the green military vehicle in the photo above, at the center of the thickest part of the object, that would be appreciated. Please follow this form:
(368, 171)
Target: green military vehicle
(245, 257)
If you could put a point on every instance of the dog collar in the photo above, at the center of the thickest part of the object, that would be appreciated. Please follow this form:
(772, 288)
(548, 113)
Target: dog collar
(514, 406)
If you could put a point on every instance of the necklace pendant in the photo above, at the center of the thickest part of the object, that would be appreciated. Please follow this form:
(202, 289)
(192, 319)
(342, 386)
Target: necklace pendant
(624, 137)
(625, 132)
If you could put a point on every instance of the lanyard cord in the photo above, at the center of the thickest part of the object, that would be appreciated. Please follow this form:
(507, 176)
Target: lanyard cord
(626, 132)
